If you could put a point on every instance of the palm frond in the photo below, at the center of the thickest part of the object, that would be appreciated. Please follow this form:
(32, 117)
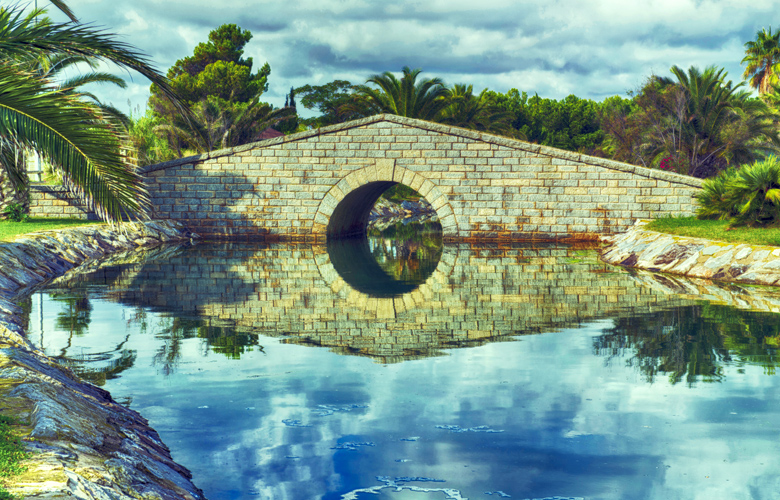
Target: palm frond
(68, 135)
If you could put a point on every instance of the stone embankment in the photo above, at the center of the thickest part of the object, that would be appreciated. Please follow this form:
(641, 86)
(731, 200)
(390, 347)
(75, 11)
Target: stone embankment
(82, 443)
(694, 257)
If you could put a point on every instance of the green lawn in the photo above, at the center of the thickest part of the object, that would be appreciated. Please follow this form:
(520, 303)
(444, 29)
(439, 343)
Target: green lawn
(9, 230)
(716, 230)
(11, 454)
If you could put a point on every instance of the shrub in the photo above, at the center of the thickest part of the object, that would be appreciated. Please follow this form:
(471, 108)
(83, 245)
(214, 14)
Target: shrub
(11, 454)
(16, 212)
(749, 195)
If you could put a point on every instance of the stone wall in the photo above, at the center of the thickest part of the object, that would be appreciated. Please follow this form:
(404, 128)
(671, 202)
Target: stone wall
(56, 201)
(308, 185)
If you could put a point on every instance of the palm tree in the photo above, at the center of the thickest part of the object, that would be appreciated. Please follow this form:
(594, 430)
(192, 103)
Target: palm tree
(710, 122)
(424, 100)
(69, 133)
(218, 124)
(762, 57)
(476, 112)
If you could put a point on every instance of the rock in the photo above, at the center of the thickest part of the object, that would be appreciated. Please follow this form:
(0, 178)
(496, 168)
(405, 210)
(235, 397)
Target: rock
(82, 443)
(694, 257)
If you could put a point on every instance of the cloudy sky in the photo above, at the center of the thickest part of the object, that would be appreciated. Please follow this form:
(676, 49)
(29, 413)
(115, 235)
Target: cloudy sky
(590, 48)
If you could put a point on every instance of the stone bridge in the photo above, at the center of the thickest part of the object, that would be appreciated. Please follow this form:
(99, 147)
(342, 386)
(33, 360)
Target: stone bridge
(323, 183)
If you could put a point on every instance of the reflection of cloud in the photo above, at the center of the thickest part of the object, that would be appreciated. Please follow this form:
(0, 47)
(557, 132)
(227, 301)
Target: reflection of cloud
(591, 49)
(573, 426)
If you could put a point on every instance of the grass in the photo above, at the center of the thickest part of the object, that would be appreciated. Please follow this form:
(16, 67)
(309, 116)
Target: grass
(9, 229)
(716, 230)
(11, 454)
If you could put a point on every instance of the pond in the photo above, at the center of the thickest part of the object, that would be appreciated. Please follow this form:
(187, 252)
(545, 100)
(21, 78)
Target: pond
(415, 370)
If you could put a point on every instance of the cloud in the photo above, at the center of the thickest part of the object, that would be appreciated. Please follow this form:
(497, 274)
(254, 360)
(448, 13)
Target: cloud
(554, 48)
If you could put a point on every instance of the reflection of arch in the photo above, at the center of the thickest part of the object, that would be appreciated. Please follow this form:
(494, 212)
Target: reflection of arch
(344, 210)
(353, 260)
(389, 307)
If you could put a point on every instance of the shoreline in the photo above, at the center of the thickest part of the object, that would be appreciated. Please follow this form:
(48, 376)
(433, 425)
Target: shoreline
(693, 257)
(82, 444)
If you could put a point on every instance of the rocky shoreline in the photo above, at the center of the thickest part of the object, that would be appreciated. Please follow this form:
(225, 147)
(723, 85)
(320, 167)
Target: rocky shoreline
(82, 443)
(693, 257)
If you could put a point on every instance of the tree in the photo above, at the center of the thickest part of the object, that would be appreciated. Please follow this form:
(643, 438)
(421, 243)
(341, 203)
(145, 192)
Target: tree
(571, 123)
(424, 100)
(217, 68)
(476, 112)
(337, 101)
(762, 56)
(696, 123)
(62, 128)
(217, 124)
(150, 147)
(218, 85)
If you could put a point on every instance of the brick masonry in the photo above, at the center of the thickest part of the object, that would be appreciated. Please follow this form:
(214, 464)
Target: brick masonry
(56, 201)
(306, 186)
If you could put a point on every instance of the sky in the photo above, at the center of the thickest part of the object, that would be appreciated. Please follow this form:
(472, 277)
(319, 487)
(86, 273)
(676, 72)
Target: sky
(592, 49)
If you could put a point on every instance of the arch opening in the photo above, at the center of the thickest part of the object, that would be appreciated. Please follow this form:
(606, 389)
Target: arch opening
(350, 217)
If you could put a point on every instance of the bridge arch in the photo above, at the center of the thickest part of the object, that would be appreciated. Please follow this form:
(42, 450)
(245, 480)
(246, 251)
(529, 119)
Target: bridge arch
(344, 210)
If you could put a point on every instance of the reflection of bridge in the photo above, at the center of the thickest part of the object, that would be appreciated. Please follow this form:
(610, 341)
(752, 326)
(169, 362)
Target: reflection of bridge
(324, 182)
(475, 295)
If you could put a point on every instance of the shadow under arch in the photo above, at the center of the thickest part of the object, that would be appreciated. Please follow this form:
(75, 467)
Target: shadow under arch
(344, 210)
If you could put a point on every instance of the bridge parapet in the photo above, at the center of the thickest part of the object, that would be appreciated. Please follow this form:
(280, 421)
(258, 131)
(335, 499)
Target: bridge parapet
(313, 184)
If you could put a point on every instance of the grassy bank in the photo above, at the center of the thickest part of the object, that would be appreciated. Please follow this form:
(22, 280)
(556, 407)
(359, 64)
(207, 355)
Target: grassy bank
(9, 230)
(11, 454)
(716, 230)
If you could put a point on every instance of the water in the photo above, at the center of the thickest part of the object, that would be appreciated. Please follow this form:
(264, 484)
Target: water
(284, 372)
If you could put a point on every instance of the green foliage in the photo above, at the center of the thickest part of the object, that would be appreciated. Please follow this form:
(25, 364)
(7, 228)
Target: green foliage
(11, 453)
(697, 123)
(713, 198)
(337, 101)
(150, 147)
(401, 192)
(222, 94)
(69, 132)
(477, 112)
(217, 68)
(748, 196)
(571, 123)
(218, 124)
(424, 100)
(762, 56)
(16, 213)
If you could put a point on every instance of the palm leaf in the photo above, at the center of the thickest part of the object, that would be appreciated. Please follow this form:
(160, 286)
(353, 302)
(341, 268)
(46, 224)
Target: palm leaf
(23, 37)
(68, 134)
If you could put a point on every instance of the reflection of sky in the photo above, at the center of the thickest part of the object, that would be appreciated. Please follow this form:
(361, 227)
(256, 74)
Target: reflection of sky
(572, 424)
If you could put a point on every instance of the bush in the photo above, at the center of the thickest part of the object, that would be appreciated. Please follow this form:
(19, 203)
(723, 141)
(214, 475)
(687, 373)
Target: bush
(16, 212)
(749, 195)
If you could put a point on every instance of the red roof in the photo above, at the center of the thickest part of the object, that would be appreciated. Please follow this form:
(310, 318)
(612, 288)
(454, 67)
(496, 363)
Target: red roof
(269, 133)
